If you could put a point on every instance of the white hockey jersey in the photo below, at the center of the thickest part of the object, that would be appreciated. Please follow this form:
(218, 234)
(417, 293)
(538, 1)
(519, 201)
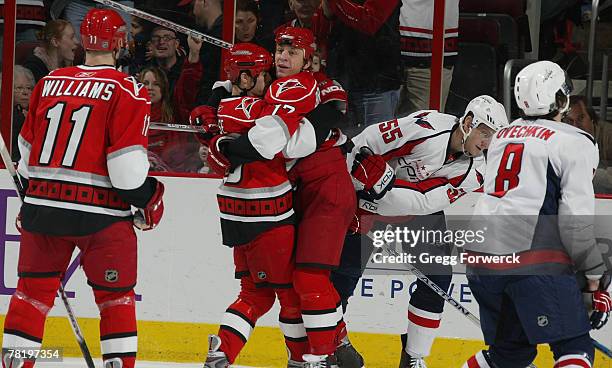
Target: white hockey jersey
(430, 177)
(538, 198)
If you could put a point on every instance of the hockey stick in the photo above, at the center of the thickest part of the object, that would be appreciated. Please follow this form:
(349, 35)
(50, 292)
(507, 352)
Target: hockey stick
(8, 163)
(165, 23)
(433, 286)
(177, 127)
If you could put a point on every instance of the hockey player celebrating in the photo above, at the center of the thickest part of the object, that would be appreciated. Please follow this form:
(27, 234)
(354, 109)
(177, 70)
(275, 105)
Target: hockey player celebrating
(324, 198)
(437, 158)
(539, 175)
(257, 217)
(83, 164)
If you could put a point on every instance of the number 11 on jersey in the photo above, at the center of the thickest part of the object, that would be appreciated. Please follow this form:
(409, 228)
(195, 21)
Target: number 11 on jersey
(78, 119)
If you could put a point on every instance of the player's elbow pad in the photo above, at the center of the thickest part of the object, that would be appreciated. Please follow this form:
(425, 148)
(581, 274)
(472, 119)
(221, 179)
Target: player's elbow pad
(128, 167)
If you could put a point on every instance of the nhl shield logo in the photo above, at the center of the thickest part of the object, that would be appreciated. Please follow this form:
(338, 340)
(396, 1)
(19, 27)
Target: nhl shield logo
(542, 321)
(111, 275)
(261, 275)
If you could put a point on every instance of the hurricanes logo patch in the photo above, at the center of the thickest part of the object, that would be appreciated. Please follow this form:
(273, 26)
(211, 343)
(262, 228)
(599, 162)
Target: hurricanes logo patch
(111, 275)
(261, 275)
(287, 85)
(542, 321)
(135, 84)
(246, 105)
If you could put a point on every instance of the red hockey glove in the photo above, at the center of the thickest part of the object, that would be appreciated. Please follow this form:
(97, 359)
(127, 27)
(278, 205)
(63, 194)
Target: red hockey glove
(372, 173)
(332, 92)
(148, 218)
(602, 306)
(216, 159)
(206, 117)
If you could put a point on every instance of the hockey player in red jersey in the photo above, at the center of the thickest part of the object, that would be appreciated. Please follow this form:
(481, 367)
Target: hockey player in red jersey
(257, 218)
(437, 158)
(324, 199)
(83, 165)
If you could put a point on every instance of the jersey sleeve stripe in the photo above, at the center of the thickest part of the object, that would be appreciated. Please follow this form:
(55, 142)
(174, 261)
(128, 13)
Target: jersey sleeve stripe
(128, 167)
(269, 135)
(24, 149)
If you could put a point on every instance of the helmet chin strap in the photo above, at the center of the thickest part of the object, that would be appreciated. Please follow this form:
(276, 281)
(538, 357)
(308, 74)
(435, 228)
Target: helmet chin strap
(464, 138)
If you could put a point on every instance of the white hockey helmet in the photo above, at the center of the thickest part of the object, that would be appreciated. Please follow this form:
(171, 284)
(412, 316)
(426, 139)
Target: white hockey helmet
(486, 110)
(538, 86)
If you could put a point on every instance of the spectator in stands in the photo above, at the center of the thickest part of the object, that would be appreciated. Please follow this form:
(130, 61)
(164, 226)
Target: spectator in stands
(370, 51)
(246, 21)
(585, 118)
(209, 20)
(156, 83)
(165, 53)
(309, 14)
(23, 84)
(203, 152)
(416, 28)
(57, 51)
(141, 50)
(169, 151)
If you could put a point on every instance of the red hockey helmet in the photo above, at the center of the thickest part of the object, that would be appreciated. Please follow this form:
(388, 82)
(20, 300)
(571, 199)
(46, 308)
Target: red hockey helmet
(103, 30)
(302, 38)
(246, 56)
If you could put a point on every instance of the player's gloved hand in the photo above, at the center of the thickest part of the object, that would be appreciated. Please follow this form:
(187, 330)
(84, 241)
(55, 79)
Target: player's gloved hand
(206, 117)
(602, 306)
(372, 174)
(217, 161)
(148, 218)
(332, 92)
(18, 222)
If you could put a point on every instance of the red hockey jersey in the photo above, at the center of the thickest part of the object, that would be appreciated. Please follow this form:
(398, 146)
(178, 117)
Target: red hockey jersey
(255, 196)
(84, 137)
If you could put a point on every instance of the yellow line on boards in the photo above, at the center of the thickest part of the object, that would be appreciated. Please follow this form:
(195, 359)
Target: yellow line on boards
(187, 342)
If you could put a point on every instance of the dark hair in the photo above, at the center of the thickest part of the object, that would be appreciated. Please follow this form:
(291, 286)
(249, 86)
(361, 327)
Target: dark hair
(164, 87)
(53, 29)
(575, 100)
(248, 6)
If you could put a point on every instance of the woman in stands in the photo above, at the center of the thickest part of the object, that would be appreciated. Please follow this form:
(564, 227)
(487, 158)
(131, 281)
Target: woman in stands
(168, 151)
(57, 50)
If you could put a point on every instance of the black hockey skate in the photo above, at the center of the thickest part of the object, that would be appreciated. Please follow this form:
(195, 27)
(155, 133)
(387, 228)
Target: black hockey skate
(348, 356)
(407, 361)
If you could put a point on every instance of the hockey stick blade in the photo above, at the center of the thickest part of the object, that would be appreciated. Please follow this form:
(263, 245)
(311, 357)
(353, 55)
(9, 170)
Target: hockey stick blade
(177, 127)
(165, 23)
(8, 164)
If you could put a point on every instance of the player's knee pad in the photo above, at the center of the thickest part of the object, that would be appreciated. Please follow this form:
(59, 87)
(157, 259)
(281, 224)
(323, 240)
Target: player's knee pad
(38, 293)
(579, 350)
(118, 335)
